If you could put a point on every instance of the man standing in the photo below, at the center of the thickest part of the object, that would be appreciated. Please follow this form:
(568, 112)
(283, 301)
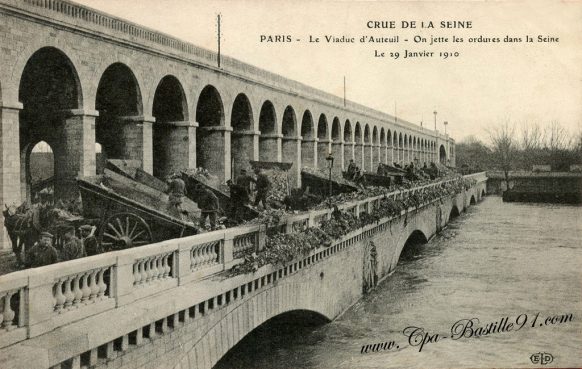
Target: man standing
(72, 246)
(89, 241)
(244, 181)
(263, 187)
(208, 204)
(176, 192)
(351, 168)
(42, 253)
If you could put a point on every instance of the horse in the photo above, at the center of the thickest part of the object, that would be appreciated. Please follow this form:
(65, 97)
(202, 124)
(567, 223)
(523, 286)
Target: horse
(17, 220)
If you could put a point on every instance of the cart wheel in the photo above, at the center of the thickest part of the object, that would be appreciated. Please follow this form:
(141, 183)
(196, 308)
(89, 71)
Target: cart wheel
(124, 230)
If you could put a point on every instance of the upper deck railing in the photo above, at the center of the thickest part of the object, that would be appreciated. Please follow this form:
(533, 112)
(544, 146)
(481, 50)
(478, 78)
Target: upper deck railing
(93, 20)
(35, 301)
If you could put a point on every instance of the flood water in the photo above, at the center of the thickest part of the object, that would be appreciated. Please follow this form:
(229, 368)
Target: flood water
(498, 260)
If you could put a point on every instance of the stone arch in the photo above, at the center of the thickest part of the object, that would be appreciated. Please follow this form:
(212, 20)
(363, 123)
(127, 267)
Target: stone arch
(390, 144)
(415, 240)
(337, 145)
(243, 354)
(336, 130)
(210, 149)
(118, 100)
(442, 155)
(348, 139)
(400, 148)
(308, 144)
(359, 146)
(50, 90)
(170, 129)
(275, 303)
(268, 139)
(383, 146)
(242, 142)
(290, 143)
(323, 144)
(367, 152)
(473, 202)
(483, 194)
(454, 213)
(375, 157)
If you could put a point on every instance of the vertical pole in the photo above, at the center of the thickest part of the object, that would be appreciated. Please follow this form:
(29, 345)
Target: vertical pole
(218, 25)
(344, 91)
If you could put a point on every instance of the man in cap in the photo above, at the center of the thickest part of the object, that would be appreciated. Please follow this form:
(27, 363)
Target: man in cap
(42, 253)
(244, 181)
(351, 168)
(89, 240)
(263, 187)
(72, 246)
(208, 204)
(176, 192)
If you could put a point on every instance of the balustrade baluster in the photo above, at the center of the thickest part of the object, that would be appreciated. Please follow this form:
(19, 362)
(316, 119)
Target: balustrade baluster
(148, 270)
(2, 302)
(69, 295)
(136, 273)
(102, 285)
(94, 285)
(154, 266)
(168, 267)
(59, 296)
(86, 289)
(77, 290)
(8, 313)
(143, 271)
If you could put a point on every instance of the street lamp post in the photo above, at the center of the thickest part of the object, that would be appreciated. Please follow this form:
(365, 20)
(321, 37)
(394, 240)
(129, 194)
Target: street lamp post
(329, 160)
(435, 114)
(445, 123)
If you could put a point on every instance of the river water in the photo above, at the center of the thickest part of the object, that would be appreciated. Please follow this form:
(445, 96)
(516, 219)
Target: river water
(497, 260)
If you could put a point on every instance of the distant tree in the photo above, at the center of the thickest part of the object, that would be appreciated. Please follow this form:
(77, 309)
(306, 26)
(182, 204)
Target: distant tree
(472, 155)
(504, 147)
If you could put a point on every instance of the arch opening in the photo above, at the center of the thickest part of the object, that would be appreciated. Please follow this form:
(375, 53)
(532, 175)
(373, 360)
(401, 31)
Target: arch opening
(170, 107)
(209, 136)
(242, 140)
(323, 145)
(289, 145)
(40, 170)
(472, 202)
(359, 148)
(256, 348)
(454, 213)
(308, 144)
(49, 88)
(268, 142)
(412, 246)
(348, 146)
(442, 155)
(119, 104)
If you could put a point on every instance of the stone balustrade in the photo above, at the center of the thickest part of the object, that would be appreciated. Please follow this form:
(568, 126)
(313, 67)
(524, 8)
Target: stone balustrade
(35, 301)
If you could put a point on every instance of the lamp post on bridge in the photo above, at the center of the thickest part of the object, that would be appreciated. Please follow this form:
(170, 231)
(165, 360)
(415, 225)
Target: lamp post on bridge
(445, 123)
(435, 116)
(329, 160)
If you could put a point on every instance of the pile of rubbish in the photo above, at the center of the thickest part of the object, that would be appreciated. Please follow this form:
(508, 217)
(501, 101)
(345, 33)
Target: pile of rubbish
(204, 176)
(281, 248)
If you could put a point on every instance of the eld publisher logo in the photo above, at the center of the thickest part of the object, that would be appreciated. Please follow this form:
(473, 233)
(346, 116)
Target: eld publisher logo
(542, 358)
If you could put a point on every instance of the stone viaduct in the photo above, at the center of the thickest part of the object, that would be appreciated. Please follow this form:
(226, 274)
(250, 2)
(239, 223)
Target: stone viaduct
(175, 304)
(94, 86)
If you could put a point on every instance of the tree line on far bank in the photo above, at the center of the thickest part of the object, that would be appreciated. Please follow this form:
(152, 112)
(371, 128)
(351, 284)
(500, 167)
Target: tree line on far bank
(520, 147)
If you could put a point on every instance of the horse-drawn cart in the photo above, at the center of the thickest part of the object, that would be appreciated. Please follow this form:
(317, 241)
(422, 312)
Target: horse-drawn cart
(132, 214)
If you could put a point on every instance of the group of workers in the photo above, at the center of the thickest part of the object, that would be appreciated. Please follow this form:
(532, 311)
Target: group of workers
(44, 252)
(208, 203)
(240, 192)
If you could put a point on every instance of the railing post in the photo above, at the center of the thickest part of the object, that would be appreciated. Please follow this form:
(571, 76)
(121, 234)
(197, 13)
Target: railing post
(40, 300)
(228, 250)
(122, 278)
(262, 237)
(183, 262)
(357, 210)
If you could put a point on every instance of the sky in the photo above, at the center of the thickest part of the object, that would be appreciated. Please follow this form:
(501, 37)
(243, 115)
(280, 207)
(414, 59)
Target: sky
(486, 84)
